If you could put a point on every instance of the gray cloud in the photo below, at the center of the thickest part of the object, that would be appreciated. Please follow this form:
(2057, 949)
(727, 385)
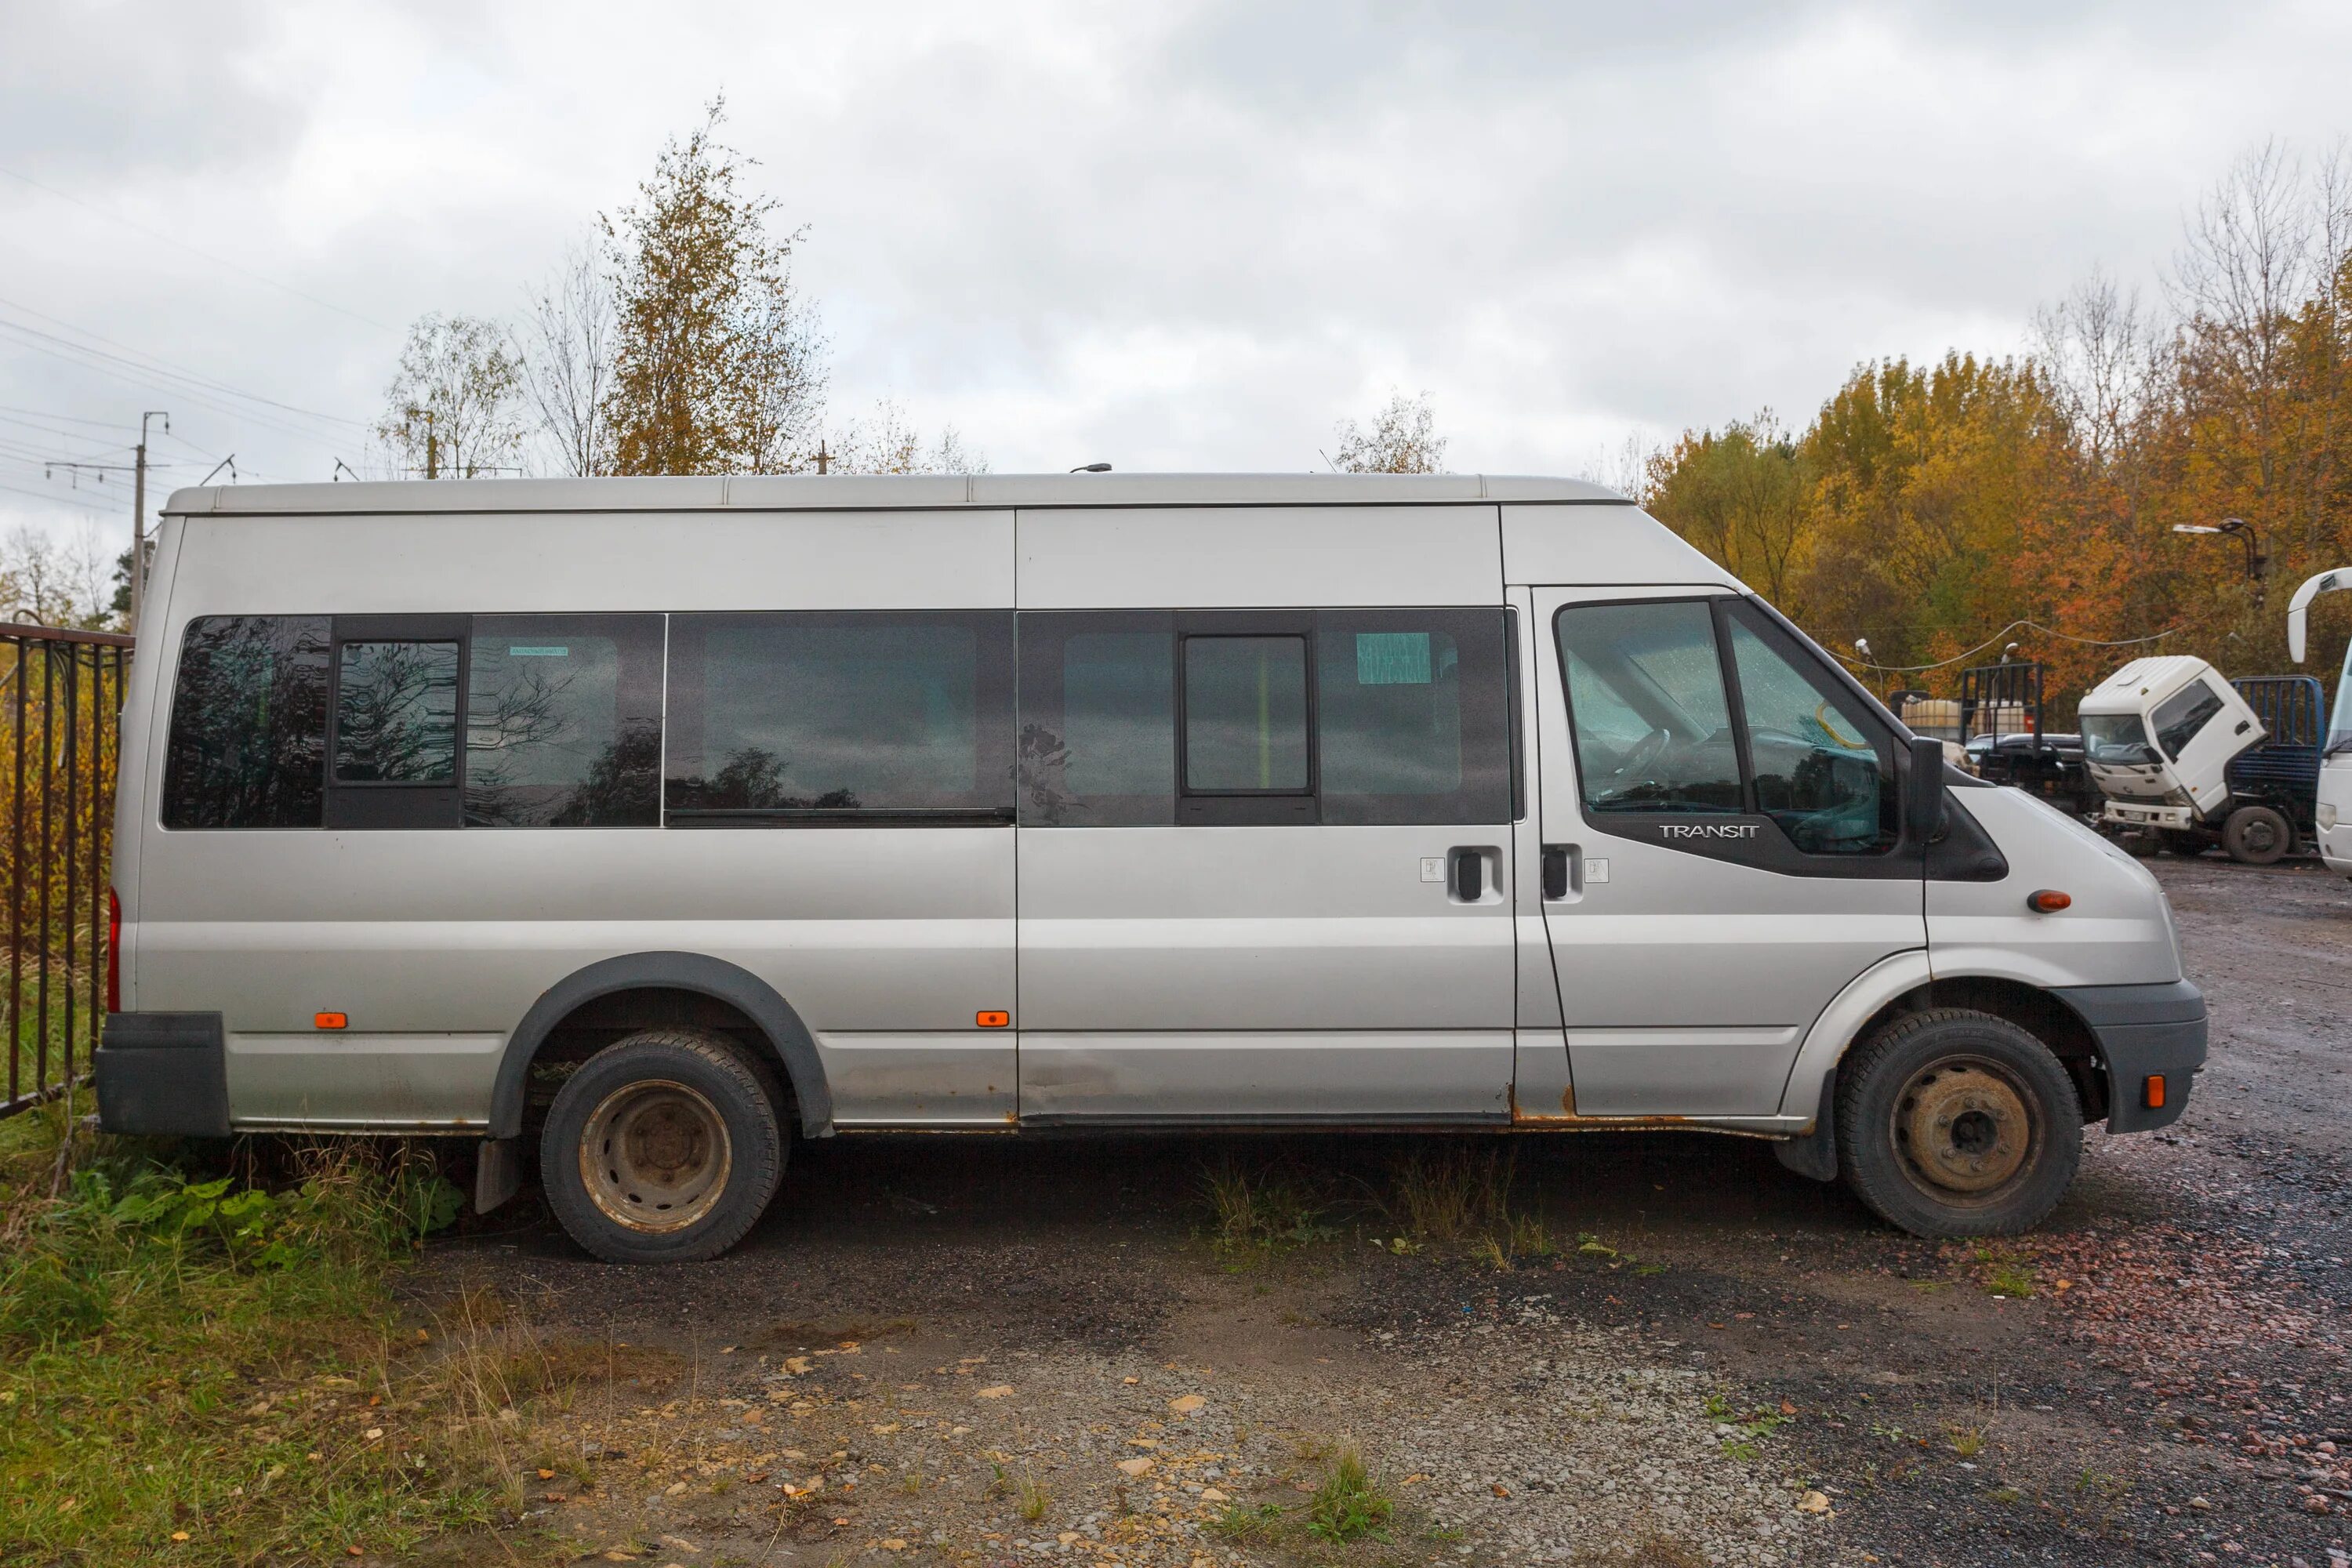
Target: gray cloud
(1190, 236)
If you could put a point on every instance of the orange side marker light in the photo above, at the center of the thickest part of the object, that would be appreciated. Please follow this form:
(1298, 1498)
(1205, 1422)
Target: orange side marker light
(329, 1020)
(2047, 901)
(2152, 1091)
(992, 1020)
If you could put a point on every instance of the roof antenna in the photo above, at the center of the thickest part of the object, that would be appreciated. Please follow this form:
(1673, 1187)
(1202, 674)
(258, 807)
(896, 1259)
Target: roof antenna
(1091, 469)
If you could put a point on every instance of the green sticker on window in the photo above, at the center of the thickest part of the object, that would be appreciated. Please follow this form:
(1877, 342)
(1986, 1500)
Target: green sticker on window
(520, 652)
(1391, 659)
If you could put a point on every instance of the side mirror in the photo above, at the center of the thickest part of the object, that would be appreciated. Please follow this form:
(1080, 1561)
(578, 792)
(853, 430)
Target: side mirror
(1923, 792)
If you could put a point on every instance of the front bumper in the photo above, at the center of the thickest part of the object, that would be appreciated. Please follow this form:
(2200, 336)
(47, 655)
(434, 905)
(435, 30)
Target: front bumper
(162, 1073)
(2145, 1033)
(2130, 814)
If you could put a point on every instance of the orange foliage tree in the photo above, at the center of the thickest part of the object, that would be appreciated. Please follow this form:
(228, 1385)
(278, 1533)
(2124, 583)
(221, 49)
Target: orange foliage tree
(1926, 507)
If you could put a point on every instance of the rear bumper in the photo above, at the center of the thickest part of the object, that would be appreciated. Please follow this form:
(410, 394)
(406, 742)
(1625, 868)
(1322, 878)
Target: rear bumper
(2143, 1031)
(162, 1073)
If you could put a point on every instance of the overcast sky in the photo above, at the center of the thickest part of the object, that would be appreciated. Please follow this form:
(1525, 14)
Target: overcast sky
(1170, 236)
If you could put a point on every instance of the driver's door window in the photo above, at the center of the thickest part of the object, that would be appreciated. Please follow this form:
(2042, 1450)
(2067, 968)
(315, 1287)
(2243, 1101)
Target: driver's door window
(1645, 696)
(1824, 773)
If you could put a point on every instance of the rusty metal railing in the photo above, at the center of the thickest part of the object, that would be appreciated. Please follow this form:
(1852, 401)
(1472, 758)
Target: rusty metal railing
(60, 703)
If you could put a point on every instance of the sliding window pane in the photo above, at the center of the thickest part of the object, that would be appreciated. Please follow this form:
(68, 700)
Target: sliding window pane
(396, 712)
(1246, 714)
(819, 714)
(563, 721)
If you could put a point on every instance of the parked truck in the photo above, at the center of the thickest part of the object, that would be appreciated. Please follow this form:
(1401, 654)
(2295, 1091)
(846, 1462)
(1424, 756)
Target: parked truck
(2188, 759)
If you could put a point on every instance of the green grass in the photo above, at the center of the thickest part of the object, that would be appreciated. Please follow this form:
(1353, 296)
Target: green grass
(1349, 1504)
(2006, 1272)
(1255, 1214)
(190, 1369)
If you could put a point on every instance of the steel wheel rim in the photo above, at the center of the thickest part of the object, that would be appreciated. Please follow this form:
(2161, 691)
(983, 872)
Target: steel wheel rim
(1965, 1130)
(655, 1156)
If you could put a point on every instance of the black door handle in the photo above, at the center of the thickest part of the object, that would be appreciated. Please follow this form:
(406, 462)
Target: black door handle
(1469, 876)
(1555, 871)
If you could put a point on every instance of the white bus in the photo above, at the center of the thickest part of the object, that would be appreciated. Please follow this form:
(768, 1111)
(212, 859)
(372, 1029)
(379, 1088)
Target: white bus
(658, 822)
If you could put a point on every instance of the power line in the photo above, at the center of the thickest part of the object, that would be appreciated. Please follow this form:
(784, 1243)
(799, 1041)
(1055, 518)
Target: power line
(2037, 626)
(133, 375)
(68, 418)
(55, 499)
(153, 366)
(208, 255)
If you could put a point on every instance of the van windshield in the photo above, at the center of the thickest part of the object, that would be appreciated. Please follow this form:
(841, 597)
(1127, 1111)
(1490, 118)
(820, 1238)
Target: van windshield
(2119, 740)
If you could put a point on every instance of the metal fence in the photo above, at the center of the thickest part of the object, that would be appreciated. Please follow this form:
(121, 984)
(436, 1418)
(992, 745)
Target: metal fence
(60, 703)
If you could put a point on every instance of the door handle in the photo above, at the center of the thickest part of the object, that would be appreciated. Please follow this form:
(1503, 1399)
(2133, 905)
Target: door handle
(1555, 871)
(1469, 876)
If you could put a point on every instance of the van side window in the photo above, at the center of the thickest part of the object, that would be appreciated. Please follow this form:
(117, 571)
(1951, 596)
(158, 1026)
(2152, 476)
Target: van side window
(563, 721)
(1412, 714)
(1097, 719)
(2181, 716)
(1246, 715)
(248, 731)
(1823, 771)
(396, 712)
(1647, 699)
(841, 716)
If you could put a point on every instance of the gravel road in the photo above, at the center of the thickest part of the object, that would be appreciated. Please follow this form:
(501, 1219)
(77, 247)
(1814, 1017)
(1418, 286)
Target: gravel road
(996, 1350)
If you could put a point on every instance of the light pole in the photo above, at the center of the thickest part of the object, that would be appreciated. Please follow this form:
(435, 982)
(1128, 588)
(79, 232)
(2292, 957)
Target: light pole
(2257, 564)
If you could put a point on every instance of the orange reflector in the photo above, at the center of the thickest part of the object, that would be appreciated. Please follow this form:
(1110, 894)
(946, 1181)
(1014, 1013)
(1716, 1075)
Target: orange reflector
(992, 1020)
(2047, 901)
(2152, 1091)
(329, 1020)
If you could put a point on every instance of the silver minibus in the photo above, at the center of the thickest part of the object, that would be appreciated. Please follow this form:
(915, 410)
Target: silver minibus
(651, 824)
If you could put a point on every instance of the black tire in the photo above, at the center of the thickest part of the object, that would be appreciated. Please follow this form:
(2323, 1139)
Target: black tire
(1955, 1123)
(663, 1148)
(2141, 844)
(2189, 844)
(2257, 836)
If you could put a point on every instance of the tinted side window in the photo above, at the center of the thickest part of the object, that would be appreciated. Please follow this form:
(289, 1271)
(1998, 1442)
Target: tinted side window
(563, 721)
(1246, 715)
(1646, 700)
(2181, 716)
(838, 716)
(248, 732)
(396, 712)
(1823, 771)
(1097, 719)
(1411, 716)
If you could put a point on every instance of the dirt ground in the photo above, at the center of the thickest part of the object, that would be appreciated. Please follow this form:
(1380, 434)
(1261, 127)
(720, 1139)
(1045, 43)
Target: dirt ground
(997, 1350)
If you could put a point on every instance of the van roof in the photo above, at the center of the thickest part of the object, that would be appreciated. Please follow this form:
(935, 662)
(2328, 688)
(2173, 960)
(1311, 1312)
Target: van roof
(832, 492)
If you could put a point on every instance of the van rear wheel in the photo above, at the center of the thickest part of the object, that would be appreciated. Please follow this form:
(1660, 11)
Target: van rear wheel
(663, 1148)
(1957, 1122)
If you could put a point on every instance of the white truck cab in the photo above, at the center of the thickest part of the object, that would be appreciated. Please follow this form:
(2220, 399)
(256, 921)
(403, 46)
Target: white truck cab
(2159, 736)
(2332, 812)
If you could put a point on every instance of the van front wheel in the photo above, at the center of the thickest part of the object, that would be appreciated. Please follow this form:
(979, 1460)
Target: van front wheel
(662, 1148)
(1955, 1123)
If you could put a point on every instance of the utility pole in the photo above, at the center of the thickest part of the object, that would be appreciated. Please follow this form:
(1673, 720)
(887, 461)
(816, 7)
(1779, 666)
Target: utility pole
(824, 458)
(138, 514)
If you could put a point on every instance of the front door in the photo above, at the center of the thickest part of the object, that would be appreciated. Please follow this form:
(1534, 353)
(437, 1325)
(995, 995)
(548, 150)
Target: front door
(1262, 862)
(1721, 819)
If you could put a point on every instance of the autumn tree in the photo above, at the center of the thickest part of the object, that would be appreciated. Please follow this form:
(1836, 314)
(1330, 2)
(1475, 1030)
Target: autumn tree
(1742, 495)
(718, 364)
(566, 345)
(1403, 439)
(454, 409)
(887, 442)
